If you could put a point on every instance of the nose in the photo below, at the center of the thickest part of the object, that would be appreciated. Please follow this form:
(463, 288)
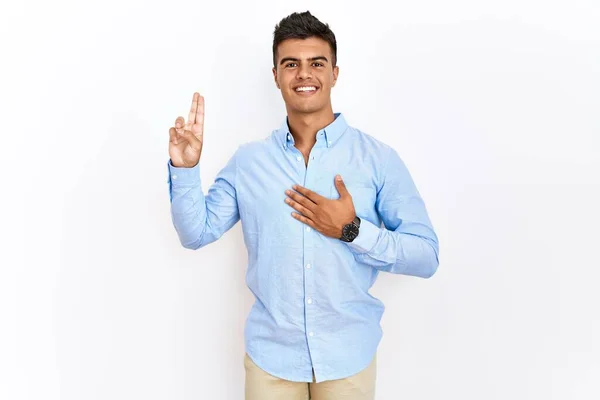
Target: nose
(304, 71)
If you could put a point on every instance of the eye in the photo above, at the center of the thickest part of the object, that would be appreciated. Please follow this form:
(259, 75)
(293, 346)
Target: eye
(318, 64)
(288, 64)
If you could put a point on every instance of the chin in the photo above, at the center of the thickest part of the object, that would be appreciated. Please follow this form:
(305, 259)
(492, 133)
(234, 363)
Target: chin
(306, 108)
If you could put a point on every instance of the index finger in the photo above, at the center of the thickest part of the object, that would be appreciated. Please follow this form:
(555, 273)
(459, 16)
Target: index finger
(314, 197)
(192, 116)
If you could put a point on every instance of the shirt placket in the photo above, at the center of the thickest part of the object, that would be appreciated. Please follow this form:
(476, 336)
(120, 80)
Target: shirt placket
(309, 174)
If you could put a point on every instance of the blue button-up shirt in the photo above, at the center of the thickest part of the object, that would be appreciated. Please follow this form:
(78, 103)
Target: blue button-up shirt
(313, 310)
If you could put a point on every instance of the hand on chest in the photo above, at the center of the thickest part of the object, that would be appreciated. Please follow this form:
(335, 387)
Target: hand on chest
(264, 196)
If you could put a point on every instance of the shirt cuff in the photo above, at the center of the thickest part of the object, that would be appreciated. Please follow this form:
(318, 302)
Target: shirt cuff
(182, 175)
(367, 237)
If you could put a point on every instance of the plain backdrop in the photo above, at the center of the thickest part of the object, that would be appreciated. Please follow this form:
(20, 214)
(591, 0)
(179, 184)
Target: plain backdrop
(494, 107)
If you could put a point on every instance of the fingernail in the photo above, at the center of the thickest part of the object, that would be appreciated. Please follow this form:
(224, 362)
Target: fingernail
(338, 177)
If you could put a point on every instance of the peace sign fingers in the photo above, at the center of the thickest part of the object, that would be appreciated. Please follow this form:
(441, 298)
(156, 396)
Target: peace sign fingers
(198, 126)
(192, 115)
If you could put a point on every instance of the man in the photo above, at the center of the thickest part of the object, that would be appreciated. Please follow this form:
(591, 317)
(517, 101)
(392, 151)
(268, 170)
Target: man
(315, 243)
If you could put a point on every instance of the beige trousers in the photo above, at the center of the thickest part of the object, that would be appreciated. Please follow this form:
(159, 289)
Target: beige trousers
(262, 386)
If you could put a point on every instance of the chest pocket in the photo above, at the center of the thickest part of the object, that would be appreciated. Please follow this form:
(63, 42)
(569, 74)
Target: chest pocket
(363, 195)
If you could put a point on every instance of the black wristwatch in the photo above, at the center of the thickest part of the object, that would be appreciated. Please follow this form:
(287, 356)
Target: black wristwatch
(350, 231)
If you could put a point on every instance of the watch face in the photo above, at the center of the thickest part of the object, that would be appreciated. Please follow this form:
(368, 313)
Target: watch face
(350, 232)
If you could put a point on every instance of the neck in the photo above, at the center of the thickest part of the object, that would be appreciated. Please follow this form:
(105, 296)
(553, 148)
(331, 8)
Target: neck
(304, 126)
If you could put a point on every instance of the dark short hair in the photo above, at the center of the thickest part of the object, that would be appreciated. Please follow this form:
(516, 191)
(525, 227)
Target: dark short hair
(302, 26)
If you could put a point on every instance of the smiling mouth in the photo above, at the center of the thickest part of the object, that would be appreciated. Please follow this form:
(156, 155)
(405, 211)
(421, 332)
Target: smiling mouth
(306, 90)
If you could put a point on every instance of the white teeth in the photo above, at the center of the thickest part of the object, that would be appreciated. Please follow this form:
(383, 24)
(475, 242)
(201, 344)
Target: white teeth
(306, 89)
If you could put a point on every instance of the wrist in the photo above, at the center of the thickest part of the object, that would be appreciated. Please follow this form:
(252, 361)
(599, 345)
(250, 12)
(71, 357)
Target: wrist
(177, 165)
(350, 230)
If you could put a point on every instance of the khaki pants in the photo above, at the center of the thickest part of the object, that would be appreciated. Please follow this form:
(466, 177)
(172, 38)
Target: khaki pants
(262, 386)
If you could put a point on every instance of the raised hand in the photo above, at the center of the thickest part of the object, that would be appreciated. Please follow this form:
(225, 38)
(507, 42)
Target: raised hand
(186, 138)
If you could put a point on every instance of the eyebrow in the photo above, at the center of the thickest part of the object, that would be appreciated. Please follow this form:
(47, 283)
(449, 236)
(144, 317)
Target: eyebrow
(285, 59)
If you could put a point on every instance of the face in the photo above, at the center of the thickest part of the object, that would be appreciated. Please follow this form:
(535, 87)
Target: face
(306, 64)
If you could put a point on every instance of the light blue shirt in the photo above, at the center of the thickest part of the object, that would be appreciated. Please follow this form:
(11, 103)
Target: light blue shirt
(312, 308)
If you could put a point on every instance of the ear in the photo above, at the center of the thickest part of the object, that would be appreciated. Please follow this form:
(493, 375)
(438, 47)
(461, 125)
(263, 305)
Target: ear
(336, 71)
(275, 77)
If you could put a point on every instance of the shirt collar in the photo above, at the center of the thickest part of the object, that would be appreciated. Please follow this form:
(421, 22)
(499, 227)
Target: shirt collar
(330, 133)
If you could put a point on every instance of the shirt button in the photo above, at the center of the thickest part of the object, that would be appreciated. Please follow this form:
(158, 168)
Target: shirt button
(311, 334)
(298, 158)
(174, 177)
(309, 300)
(308, 266)
(329, 142)
(308, 229)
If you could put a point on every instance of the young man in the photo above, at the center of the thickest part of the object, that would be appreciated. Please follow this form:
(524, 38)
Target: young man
(315, 242)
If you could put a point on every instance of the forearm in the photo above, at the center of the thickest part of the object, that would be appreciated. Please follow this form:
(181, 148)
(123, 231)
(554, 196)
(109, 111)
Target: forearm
(188, 206)
(409, 250)
(201, 219)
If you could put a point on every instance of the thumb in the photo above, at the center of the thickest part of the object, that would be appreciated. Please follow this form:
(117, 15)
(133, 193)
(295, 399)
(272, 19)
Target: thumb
(340, 186)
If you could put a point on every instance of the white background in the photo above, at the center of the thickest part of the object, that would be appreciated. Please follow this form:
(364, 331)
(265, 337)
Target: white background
(494, 107)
